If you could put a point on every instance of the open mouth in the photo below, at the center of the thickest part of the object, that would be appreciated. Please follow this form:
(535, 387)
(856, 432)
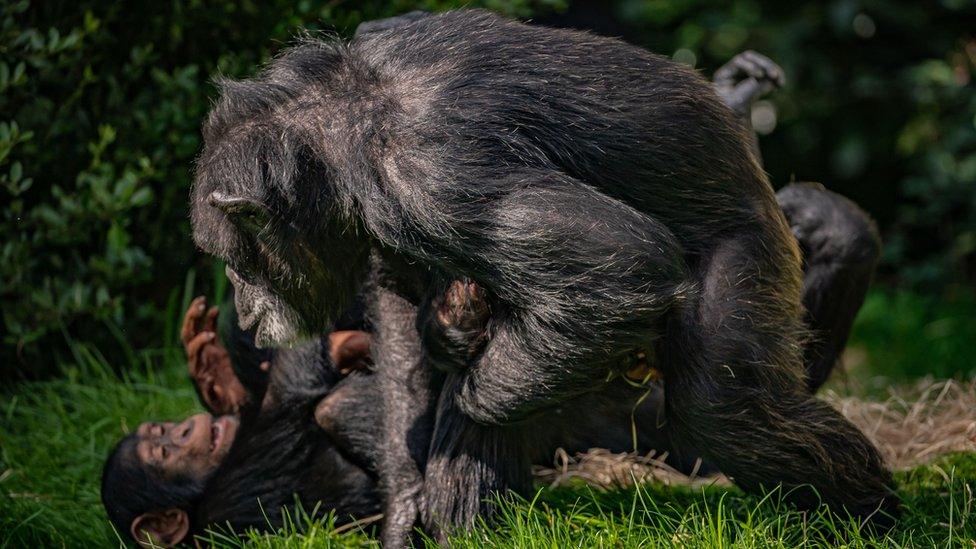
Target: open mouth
(217, 430)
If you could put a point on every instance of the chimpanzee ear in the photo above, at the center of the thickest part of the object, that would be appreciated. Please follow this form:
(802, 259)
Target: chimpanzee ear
(246, 212)
(161, 528)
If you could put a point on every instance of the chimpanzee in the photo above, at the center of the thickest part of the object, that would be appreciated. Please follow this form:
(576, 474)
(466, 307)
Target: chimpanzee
(605, 200)
(172, 481)
(156, 479)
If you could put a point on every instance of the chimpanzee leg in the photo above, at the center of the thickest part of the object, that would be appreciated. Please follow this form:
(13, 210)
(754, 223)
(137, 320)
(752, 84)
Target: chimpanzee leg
(841, 248)
(734, 390)
(407, 385)
(560, 327)
(469, 466)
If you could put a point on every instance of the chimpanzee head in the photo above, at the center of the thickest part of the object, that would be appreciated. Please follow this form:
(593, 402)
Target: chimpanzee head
(267, 196)
(168, 482)
(155, 475)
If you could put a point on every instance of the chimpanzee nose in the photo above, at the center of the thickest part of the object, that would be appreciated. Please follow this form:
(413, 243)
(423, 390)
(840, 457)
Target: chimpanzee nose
(181, 434)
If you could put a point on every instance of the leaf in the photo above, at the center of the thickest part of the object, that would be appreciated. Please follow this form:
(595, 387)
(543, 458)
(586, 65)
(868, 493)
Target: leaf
(141, 197)
(18, 72)
(116, 239)
(53, 37)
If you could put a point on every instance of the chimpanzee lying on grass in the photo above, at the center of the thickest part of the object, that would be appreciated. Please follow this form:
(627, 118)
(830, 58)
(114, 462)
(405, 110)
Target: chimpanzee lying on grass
(172, 480)
(309, 422)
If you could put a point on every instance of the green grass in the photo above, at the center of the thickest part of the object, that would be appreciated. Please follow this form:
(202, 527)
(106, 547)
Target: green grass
(55, 434)
(902, 336)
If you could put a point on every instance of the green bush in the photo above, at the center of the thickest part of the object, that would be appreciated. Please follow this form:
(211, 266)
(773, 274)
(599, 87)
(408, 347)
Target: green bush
(902, 336)
(101, 102)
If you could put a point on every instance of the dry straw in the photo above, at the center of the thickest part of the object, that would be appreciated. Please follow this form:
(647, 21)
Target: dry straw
(912, 426)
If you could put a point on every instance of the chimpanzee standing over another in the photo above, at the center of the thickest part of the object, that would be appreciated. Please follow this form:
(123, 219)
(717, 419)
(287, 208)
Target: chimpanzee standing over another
(604, 198)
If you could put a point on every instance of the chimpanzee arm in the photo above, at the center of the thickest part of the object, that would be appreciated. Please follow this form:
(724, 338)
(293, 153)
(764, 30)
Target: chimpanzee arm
(300, 374)
(351, 417)
(577, 281)
(408, 387)
(841, 248)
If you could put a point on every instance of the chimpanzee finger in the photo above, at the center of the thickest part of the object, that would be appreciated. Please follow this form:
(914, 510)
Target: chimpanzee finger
(349, 350)
(210, 322)
(726, 74)
(748, 66)
(191, 319)
(741, 97)
(766, 68)
(193, 349)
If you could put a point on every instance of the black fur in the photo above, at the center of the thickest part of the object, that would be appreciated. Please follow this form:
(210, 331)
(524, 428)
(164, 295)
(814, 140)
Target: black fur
(606, 200)
(279, 457)
(841, 249)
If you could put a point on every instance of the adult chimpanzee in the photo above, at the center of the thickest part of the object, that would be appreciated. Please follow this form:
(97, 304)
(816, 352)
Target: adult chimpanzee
(170, 481)
(604, 198)
(165, 472)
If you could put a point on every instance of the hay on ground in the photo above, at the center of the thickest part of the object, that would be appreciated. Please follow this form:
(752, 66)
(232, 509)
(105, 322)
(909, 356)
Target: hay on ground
(913, 426)
(917, 424)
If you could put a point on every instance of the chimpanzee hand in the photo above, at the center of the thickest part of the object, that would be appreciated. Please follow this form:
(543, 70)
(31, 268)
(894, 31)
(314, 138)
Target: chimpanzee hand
(455, 326)
(746, 78)
(209, 363)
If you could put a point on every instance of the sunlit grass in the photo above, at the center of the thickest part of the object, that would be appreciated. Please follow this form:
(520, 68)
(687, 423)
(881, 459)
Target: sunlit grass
(54, 436)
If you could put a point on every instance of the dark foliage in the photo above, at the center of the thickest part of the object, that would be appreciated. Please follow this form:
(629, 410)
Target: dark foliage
(102, 102)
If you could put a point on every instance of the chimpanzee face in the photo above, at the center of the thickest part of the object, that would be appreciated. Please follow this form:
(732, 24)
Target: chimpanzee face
(273, 320)
(269, 211)
(192, 449)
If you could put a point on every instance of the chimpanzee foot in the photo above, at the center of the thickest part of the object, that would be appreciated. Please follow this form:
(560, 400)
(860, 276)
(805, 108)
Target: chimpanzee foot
(455, 330)
(464, 307)
(745, 78)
